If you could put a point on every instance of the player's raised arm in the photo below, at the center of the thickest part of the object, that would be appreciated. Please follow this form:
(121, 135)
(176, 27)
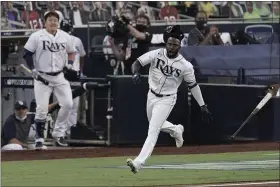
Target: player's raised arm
(82, 55)
(118, 49)
(70, 49)
(136, 67)
(143, 60)
(189, 77)
(29, 50)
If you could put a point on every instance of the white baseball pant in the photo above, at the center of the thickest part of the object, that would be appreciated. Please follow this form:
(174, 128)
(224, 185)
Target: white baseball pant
(158, 110)
(62, 91)
(17, 147)
(12, 147)
(73, 117)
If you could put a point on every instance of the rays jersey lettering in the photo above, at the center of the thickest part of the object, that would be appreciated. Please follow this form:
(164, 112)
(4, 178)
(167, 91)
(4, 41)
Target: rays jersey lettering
(53, 47)
(166, 69)
(49, 50)
(165, 74)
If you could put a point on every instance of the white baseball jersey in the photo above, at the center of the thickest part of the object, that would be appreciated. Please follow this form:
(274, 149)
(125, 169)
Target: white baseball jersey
(49, 50)
(165, 74)
(80, 52)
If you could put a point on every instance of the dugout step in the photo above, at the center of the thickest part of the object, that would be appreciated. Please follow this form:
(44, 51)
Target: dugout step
(86, 135)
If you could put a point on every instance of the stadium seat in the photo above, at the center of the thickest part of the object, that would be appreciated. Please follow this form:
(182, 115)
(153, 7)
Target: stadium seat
(259, 31)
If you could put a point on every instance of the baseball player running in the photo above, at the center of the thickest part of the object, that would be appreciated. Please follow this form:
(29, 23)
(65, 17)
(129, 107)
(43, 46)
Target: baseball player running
(167, 70)
(44, 53)
(66, 25)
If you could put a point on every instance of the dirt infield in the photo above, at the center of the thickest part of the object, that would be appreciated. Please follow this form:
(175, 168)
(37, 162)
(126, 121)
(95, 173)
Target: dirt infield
(59, 153)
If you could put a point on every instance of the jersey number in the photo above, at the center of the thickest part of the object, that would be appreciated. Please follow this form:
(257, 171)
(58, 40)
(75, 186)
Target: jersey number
(33, 24)
(169, 18)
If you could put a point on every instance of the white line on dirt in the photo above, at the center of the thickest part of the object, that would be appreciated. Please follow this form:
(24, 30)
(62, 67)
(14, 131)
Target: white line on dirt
(237, 184)
(272, 154)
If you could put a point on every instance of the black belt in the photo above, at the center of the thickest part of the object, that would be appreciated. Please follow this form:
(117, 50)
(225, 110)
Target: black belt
(51, 73)
(158, 95)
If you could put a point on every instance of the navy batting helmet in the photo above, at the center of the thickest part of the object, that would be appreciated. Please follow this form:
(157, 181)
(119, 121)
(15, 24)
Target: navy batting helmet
(67, 26)
(174, 32)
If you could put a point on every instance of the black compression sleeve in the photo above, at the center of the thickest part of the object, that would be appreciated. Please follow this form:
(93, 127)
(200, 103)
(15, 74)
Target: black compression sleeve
(27, 55)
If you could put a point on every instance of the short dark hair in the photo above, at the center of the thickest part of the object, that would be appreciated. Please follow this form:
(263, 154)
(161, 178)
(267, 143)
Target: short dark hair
(51, 13)
(145, 17)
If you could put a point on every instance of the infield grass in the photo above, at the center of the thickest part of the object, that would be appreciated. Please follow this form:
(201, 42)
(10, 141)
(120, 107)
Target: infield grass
(104, 171)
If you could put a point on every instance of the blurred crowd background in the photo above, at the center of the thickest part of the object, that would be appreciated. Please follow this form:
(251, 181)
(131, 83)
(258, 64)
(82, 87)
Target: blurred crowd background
(29, 15)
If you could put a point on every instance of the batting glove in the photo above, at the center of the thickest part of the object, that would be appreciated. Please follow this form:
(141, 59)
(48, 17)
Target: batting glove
(206, 115)
(136, 78)
(35, 74)
(70, 64)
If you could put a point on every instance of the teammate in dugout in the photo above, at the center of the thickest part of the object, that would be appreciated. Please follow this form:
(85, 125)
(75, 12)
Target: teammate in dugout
(76, 72)
(44, 53)
(136, 45)
(167, 70)
(16, 128)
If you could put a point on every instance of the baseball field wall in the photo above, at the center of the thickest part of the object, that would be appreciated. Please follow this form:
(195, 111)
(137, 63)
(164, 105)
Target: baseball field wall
(116, 113)
(229, 104)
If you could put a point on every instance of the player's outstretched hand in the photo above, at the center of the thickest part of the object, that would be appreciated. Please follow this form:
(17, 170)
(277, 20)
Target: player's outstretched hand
(136, 78)
(206, 115)
(125, 20)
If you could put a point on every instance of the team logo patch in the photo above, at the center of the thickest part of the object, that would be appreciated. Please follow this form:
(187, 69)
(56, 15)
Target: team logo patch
(169, 29)
(53, 47)
(166, 69)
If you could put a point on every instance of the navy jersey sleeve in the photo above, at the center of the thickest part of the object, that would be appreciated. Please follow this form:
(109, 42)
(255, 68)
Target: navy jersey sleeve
(9, 130)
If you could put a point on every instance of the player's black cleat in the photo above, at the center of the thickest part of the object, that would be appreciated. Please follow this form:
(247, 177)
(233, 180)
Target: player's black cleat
(38, 145)
(61, 142)
(132, 166)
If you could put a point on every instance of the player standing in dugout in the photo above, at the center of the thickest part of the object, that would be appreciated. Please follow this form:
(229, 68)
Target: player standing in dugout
(44, 53)
(76, 72)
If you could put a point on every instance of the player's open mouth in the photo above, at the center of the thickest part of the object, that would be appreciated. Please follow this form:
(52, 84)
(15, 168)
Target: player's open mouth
(171, 52)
